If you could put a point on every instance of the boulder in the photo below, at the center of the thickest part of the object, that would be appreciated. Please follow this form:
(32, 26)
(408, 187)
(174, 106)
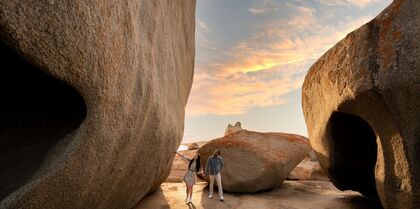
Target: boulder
(308, 170)
(256, 161)
(361, 104)
(193, 146)
(317, 174)
(93, 96)
(312, 155)
(232, 129)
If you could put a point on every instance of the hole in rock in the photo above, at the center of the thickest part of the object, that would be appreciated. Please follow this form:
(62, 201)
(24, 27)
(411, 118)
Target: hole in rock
(36, 111)
(353, 153)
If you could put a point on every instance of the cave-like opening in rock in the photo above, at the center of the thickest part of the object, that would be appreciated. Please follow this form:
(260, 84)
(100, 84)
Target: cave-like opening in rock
(354, 153)
(36, 111)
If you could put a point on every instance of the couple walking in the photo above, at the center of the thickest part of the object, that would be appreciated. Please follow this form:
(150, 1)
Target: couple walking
(212, 170)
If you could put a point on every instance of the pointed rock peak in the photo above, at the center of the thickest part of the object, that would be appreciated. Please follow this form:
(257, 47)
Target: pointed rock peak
(232, 129)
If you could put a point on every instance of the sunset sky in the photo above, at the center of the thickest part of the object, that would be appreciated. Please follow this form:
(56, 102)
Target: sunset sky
(252, 57)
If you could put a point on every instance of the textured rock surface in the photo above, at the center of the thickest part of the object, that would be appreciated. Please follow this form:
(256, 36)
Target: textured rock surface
(308, 170)
(256, 161)
(193, 146)
(361, 103)
(92, 99)
(232, 129)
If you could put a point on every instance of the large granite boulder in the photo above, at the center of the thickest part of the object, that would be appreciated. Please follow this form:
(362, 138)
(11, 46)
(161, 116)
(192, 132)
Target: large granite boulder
(361, 103)
(193, 146)
(256, 161)
(93, 96)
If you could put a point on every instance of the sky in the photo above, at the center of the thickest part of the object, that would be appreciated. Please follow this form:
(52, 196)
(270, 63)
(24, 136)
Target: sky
(252, 57)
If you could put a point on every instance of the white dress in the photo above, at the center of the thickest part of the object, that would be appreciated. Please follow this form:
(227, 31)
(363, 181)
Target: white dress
(190, 177)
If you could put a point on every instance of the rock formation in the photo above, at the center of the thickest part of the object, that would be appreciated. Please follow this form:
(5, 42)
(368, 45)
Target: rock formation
(256, 161)
(361, 103)
(308, 170)
(93, 96)
(193, 146)
(232, 129)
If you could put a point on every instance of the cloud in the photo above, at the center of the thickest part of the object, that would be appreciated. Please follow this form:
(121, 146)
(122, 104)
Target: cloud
(200, 33)
(305, 17)
(259, 71)
(258, 10)
(237, 94)
(202, 26)
(357, 3)
(264, 6)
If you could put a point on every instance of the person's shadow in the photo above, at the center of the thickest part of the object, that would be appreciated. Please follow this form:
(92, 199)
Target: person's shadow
(191, 206)
(207, 203)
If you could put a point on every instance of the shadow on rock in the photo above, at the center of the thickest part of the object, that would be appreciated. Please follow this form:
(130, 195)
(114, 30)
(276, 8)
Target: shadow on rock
(154, 200)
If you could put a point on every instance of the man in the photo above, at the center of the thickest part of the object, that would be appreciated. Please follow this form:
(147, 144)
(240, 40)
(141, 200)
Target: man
(214, 167)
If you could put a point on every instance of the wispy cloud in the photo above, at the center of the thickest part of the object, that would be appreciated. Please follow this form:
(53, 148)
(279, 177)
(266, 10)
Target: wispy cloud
(260, 70)
(258, 10)
(202, 26)
(242, 91)
(357, 3)
(201, 36)
(264, 6)
(263, 10)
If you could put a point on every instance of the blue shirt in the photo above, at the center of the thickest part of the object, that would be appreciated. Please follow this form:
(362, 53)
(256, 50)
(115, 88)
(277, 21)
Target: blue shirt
(214, 165)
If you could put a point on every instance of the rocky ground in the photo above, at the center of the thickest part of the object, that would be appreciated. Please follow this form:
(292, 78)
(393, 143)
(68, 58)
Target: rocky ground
(291, 195)
(307, 187)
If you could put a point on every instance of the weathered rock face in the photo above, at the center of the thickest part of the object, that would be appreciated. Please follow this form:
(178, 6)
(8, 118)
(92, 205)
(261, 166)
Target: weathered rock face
(308, 170)
(361, 103)
(93, 97)
(193, 146)
(256, 161)
(232, 129)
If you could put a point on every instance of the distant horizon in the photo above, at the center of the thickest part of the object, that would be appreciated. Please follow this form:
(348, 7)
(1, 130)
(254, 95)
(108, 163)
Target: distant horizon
(252, 57)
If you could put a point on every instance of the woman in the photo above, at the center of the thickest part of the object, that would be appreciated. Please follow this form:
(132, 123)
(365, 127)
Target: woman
(190, 177)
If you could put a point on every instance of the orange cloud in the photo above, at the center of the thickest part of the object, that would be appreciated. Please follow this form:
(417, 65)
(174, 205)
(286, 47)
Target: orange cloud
(238, 95)
(357, 3)
(260, 71)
